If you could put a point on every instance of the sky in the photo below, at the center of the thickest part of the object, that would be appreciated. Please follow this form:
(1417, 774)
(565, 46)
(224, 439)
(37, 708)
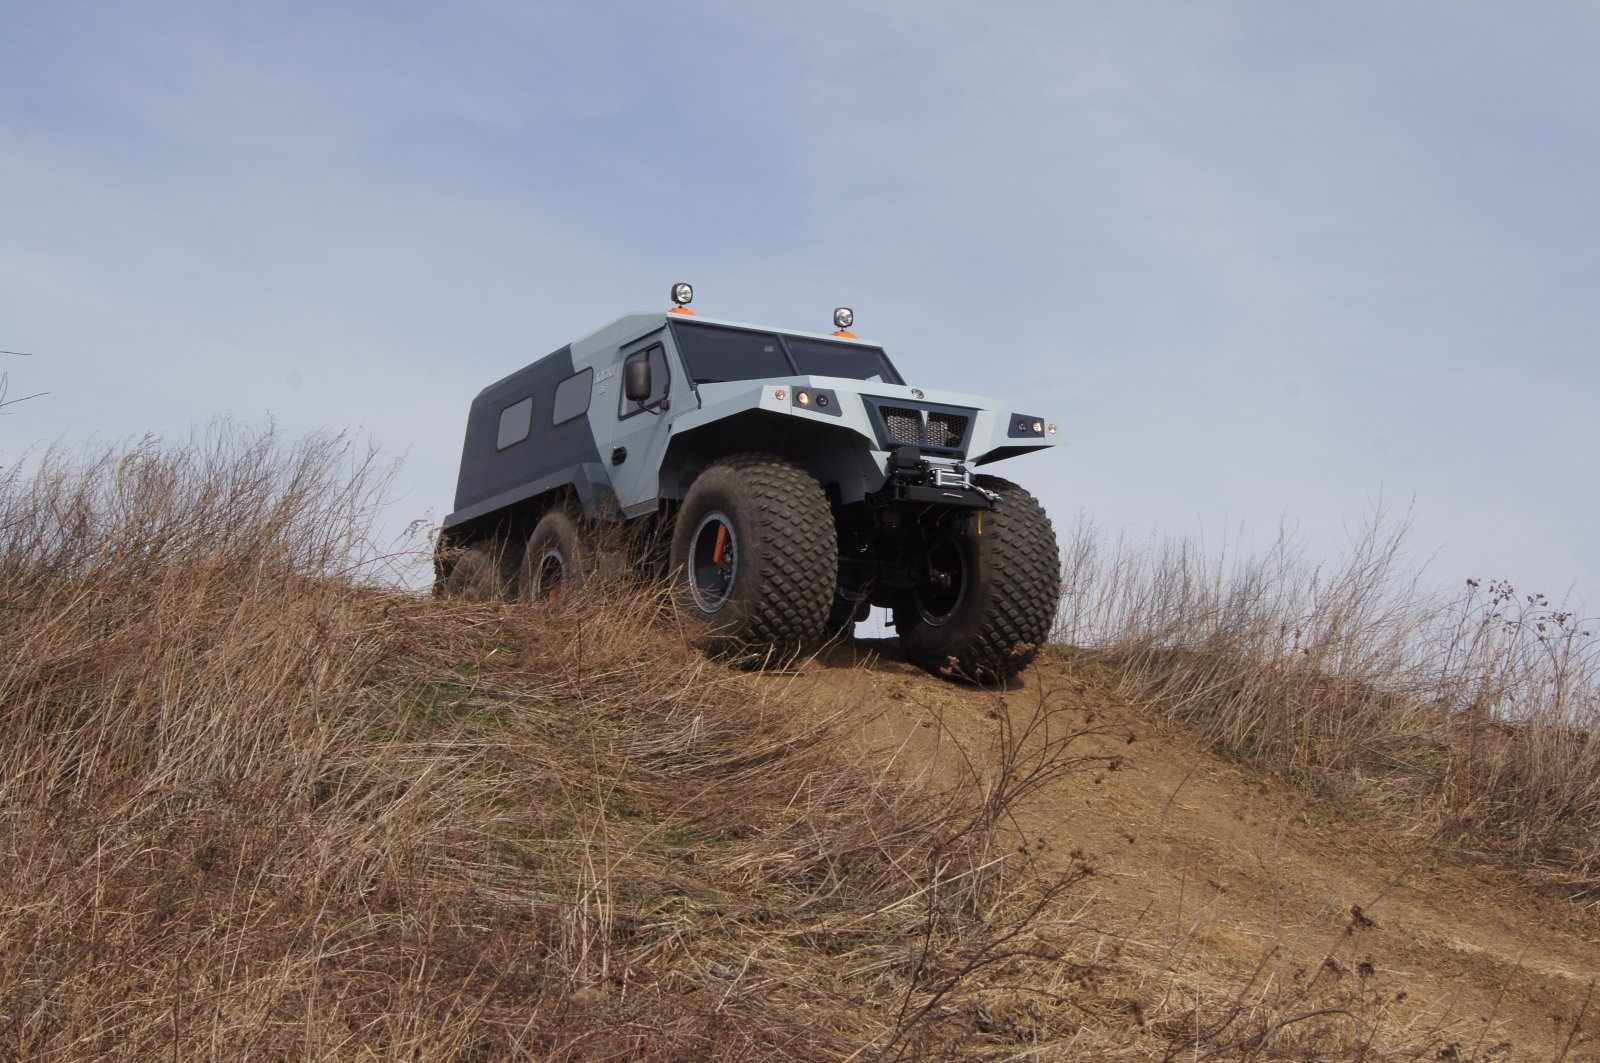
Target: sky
(1265, 263)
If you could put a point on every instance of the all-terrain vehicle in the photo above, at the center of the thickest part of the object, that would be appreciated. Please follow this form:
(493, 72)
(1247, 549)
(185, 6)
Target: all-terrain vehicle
(786, 480)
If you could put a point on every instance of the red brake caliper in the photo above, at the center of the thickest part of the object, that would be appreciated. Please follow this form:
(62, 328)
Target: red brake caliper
(719, 555)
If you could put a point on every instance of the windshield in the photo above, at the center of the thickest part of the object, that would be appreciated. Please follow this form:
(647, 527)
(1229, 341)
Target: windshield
(827, 358)
(714, 353)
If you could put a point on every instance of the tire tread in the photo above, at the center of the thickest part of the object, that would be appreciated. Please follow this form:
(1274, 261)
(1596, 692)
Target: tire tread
(797, 549)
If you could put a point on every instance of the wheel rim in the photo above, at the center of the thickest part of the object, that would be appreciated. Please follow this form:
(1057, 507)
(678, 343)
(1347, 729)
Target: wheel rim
(713, 561)
(942, 583)
(550, 576)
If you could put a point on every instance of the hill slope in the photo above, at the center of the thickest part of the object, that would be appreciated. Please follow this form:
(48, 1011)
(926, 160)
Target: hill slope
(254, 806)
(1215, 882)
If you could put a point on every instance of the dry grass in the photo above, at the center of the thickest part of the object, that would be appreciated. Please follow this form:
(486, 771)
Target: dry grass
(1475, 716)
(253, 805)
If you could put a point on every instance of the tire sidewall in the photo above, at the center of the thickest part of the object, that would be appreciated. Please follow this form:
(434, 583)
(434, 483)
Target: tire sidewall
(978, 644)
(556, 533)
(716, 491)
(931, 644)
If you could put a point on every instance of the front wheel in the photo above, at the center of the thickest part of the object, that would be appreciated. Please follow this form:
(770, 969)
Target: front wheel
(757, 557)
(985, 591)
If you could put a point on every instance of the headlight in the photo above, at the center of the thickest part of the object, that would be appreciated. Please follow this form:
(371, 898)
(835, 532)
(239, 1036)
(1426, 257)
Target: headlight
(844, 317)
(1026, 426)
(683, 293)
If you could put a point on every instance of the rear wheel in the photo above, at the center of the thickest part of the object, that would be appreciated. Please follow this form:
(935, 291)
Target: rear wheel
(757, 557)
(475, 571)
(552, 564)
(986, 589)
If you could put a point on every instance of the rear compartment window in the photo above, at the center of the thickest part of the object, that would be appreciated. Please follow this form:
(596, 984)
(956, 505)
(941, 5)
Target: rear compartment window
(515, 421)
(572, 397)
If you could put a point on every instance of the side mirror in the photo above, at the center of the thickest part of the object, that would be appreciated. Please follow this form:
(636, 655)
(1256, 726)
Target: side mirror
(636, 380)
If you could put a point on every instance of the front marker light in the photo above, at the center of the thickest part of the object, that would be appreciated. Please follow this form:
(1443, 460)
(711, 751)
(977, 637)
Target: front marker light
(779, 393)
(1051, 428)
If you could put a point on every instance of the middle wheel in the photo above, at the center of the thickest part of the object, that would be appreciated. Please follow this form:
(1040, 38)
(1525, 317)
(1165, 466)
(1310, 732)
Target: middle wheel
(553, 562)
(757, 556)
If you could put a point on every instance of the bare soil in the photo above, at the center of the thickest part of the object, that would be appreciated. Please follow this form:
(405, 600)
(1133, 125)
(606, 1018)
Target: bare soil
(1210, 876)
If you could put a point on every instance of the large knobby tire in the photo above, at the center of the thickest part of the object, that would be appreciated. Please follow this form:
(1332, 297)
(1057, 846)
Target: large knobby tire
(756, 558)
(989, 594)
(553, 563)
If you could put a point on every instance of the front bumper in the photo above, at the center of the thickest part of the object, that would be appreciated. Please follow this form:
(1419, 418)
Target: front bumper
(918, 480)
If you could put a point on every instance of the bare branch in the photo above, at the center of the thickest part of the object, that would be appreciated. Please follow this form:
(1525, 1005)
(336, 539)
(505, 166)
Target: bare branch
(5, 383)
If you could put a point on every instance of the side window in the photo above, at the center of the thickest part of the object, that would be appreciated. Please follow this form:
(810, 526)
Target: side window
(515, 421)
(660, 378)
(572, 397)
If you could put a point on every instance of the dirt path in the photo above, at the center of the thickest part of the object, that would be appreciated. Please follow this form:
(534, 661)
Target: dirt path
(1206, 873)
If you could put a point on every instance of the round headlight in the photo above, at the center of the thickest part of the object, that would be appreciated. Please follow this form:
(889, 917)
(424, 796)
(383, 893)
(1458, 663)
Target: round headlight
(802, 398)
(844, 317)
(683, 293)
(1038, 426)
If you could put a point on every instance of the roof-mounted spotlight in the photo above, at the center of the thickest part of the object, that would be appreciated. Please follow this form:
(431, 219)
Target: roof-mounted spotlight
(843, 318)
(683, 295)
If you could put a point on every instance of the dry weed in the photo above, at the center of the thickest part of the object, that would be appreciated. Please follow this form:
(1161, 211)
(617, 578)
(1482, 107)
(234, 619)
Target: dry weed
(1477, 714)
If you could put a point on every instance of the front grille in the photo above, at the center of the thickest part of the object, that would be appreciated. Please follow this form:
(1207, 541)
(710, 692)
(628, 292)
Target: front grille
(946, 429)
(905, 426)
(924, 428)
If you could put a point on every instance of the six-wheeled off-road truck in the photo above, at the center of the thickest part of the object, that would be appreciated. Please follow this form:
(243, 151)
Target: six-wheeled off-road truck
(787, 481)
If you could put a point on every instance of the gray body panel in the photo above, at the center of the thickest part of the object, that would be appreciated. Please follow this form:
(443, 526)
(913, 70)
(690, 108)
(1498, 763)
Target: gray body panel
(617, 456)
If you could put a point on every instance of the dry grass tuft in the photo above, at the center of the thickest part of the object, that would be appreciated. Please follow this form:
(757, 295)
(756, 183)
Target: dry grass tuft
(1476, 716)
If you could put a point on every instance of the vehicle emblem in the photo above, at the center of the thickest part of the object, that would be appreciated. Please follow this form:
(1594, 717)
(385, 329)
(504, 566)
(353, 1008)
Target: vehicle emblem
(916, 393)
